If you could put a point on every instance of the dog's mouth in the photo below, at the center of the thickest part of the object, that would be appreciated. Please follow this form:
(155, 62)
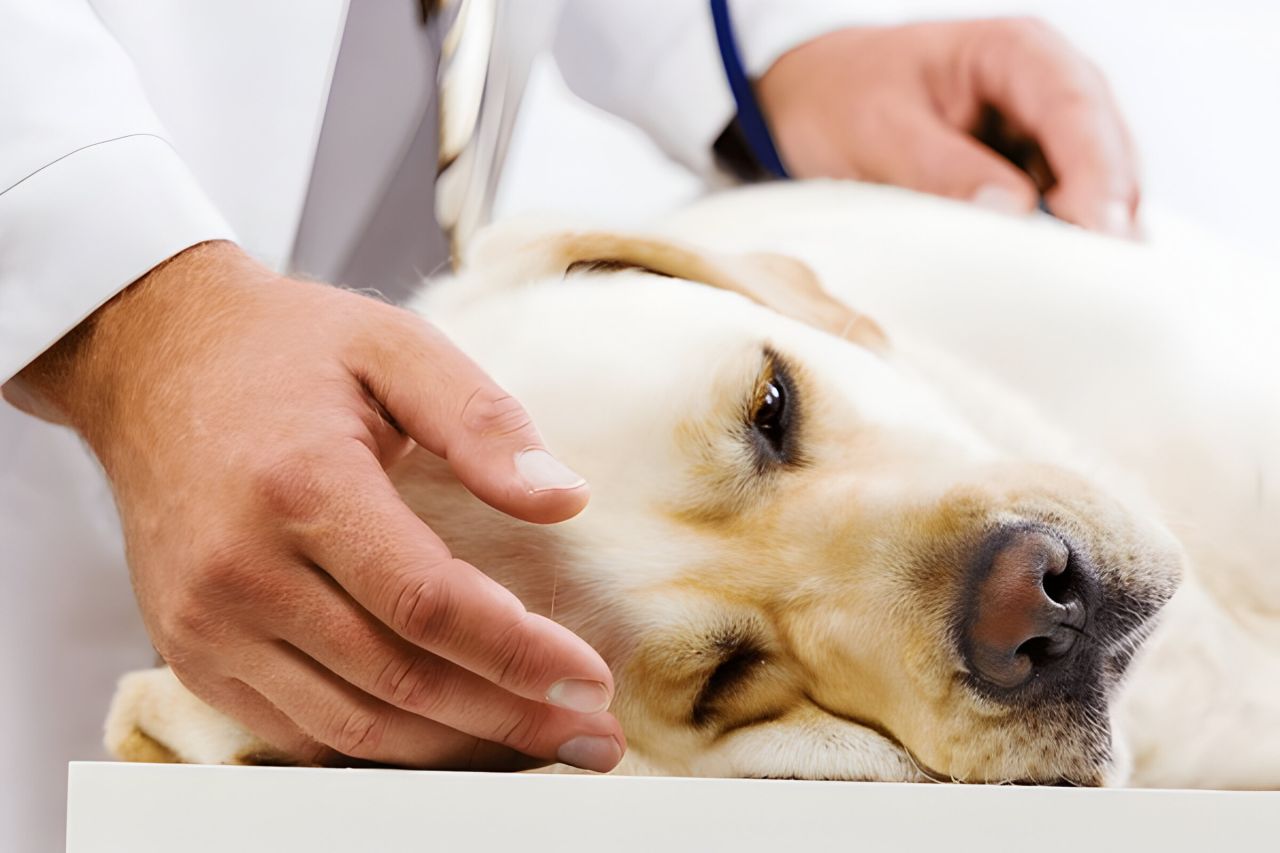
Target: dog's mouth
(1083, 768)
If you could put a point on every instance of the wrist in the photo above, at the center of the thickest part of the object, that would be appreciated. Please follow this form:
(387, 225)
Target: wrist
(107, 364)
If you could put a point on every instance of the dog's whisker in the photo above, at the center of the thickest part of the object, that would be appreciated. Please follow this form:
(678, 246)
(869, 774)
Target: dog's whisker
(555, 581)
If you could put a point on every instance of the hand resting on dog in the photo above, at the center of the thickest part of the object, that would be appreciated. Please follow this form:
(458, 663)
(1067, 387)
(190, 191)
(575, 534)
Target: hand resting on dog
(245, 421)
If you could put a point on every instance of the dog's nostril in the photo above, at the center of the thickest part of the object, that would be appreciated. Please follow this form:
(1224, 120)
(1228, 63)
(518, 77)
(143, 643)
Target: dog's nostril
(1025, 612)
(1058, 580)
(1040, 651)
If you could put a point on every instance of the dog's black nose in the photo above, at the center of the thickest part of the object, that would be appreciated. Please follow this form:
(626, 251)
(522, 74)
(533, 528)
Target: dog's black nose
(1026, 611)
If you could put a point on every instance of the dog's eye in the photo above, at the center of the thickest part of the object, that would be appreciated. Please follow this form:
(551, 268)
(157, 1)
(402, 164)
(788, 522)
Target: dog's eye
(771, 417)
(739, 660)
(772, 410)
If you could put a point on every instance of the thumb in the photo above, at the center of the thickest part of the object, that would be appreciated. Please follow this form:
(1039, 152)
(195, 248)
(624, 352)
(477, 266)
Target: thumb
(448, 405)
(946, 161)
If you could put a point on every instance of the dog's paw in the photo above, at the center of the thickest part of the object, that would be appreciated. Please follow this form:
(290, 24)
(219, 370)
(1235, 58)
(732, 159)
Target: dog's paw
(154, 718)
(139, 747)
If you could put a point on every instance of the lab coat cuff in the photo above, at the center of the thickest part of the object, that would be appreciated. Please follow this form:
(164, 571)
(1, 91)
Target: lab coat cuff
(767, 30)
(82, 228)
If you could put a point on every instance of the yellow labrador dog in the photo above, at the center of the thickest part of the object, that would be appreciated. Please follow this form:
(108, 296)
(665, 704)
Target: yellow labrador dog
(929, 545)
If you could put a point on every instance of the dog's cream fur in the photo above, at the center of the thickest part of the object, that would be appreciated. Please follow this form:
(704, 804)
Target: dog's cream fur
(1121, 395)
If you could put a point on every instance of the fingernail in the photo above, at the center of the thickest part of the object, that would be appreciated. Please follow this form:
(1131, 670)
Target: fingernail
(579, 694)
(542, 472)
(591, 752)
(1116, 221)
(998, 198)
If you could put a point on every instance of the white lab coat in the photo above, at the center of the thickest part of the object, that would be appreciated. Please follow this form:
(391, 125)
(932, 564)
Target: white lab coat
(132, 129)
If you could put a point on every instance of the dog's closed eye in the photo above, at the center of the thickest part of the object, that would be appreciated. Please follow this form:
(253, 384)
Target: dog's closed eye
(739, 659)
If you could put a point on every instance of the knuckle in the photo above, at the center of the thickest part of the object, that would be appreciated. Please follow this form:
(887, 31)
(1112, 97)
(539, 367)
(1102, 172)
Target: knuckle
(411, 326)
(214, 590)
(188, 619)
(1075, 101)
(490, 412)
(168, 643)
(291, 488)
(425, 610)
(415, 685)
(286, 748)
(521, 731)
(357, 734)
(403, 335)
(221, 572)
(314, 754)
(192, 618)
(515, 656)
(477, 756)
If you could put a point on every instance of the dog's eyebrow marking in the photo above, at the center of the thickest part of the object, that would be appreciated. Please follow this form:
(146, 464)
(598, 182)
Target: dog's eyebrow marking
(607, 265)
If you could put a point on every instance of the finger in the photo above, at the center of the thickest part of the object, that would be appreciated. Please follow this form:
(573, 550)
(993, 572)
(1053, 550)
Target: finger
(367, 655)
(392, 564)
(354, 724)
(1095, 186)
(1051, 93)
(247, 707)
(931, 156)
(447, 404)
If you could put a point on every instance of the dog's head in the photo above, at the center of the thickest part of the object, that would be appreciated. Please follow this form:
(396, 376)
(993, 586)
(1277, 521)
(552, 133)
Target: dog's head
(805, 555)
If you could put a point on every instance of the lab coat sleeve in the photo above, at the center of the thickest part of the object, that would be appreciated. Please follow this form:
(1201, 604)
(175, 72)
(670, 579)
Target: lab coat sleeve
(92, 195)
(657, 65)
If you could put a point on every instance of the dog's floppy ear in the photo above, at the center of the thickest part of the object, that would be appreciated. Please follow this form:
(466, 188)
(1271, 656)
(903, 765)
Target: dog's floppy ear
(775, 281)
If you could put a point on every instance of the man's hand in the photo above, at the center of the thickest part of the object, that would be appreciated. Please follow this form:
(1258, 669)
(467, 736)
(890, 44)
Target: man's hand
(903, 105)
(245, 421)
